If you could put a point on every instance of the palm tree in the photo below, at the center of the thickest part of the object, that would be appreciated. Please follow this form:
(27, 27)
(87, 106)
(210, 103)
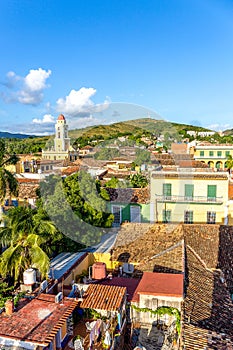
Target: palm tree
(8, 182)
(229, 163)
(27, 235)
(138, 180)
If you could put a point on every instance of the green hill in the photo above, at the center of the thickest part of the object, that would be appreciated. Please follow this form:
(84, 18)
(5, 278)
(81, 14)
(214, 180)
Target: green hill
(136, 127)
(133, 127)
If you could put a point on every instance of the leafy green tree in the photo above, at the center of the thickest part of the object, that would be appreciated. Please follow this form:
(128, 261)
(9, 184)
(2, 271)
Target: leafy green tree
(142, 157)
(116, 183)
(138, 180)
(107, 153)
(112, 183)
(6, 293)
(77, 205)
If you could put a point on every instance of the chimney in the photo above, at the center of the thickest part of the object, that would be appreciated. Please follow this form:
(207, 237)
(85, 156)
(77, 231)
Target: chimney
(9, 307)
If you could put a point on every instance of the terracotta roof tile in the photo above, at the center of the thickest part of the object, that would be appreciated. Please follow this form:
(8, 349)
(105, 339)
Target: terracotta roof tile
(129, 195)
(130, 284)
(70, 170)
(37, 321)
(152, 248)
(207, 308)
(102, 297)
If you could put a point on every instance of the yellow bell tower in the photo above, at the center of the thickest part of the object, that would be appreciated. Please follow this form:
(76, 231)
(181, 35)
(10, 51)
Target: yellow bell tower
(61, 140)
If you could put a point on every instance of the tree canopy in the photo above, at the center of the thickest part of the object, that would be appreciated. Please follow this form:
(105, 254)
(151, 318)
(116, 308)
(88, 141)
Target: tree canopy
(138, 180)
(31, 239)
(107, 153)
(7, 180)
(77, 205)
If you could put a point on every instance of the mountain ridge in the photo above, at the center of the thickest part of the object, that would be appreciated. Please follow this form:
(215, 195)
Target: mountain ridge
(9, 135)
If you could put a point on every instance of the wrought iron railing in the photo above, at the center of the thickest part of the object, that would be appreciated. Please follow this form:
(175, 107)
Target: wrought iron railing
(196, 199)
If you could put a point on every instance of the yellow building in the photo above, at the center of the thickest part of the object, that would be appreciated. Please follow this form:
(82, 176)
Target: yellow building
(62, 149)
(190, 196)
(214, 155)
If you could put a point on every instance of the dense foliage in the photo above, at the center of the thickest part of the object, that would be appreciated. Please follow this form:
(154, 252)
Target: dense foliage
(116, 183)
(32, 145)
(162, 310)
(31, 240)
(6, 293)
(138, 180)
(142, 157)
(7, 180)
(77, 205)
(107, 153)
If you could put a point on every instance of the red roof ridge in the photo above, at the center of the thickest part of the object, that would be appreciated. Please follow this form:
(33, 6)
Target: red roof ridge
(61, 117)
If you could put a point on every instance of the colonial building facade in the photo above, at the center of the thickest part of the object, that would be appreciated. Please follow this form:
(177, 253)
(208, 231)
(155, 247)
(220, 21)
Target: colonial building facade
(215, 156)
(190, 196)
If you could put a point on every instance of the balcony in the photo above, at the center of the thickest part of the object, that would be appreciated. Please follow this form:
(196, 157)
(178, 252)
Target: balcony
(185, 199)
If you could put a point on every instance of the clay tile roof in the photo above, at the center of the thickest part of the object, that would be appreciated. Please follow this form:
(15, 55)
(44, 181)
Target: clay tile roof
(144, 243)
(27, 180)
(100, 297)
(129, 195)
(28, 187)
(38, 321)
(61, 117)
(71, 170)
(162, 284)
(208, 309)
(130, 284)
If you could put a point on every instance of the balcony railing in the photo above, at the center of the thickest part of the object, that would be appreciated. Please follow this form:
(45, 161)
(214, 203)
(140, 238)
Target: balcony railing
(185, 199)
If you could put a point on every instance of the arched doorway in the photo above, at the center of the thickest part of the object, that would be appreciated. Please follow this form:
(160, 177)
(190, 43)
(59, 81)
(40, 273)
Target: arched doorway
(211, 164)
(219, 165)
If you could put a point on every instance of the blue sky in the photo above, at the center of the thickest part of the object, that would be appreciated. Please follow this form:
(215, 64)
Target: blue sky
(170, 57)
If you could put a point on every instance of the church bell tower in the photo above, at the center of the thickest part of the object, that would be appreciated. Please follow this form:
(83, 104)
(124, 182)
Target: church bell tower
(61, 140)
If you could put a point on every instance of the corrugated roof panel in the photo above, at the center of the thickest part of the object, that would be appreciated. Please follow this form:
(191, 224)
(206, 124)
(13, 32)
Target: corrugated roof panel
(62, 263)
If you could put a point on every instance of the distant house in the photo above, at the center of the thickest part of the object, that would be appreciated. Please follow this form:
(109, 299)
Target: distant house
(27, 163)
(129, 204)
(214, 155)
(86, 150)
(27, 193)
(120, 163)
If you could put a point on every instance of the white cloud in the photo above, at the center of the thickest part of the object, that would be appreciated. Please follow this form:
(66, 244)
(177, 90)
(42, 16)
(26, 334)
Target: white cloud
(36, 79)
(82, 122)
(11, 79)
(47, 119)
(34, 84)
(79, 102)
(26, 90)
(219, 127)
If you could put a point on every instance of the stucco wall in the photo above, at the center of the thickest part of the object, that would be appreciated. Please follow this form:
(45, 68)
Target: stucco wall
(198, 207)
(153, 302)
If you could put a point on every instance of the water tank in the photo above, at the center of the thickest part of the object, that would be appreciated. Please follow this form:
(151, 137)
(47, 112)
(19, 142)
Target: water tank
(29, 277)
(99, 270)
